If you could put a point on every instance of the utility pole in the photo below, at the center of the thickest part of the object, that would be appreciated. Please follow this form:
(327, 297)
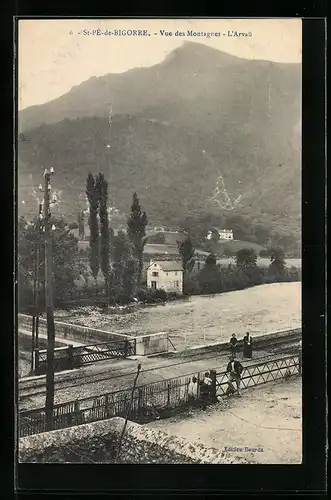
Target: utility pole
(49, 404)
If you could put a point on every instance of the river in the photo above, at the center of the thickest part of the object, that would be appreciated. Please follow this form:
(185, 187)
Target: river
(209, 318)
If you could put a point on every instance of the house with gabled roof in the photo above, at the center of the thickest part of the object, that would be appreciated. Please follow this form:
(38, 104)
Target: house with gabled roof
(166, 275)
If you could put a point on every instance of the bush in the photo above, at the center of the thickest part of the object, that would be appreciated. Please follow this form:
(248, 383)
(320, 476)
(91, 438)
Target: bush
(266, 252)
(293, 274)
(234, 279)
(122, 297)
(151, 296)
(191, 285)
(160, 294)
(172, 296)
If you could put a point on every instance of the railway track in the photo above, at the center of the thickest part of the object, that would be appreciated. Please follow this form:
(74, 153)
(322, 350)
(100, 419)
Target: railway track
(264, 349)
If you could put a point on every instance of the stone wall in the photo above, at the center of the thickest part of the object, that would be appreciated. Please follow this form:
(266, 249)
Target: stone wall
(152, 344)
(68, 331)
(145, 345)
(97, 442)
(224, 346)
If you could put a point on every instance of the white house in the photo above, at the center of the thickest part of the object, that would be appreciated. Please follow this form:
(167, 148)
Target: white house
(166, 275)
(223, 234)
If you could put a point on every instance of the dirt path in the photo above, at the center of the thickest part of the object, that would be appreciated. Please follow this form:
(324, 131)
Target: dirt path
(266, 418)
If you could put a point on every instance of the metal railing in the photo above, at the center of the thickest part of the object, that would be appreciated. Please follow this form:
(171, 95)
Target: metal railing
(72, 357)
(151, 400)
(262, 373)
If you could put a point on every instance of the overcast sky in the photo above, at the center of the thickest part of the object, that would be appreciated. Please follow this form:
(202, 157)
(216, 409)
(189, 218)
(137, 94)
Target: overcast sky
(51, 60)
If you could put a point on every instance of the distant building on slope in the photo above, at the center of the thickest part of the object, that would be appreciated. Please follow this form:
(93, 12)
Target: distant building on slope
(223, 234)
(166, 275)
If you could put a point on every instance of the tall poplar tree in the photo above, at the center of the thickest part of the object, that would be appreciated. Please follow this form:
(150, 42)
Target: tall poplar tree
(137, 223)
(81, 224)
(102, 190)
(187, 253)
(93, 199)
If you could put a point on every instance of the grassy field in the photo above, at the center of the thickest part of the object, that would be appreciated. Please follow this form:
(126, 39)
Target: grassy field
(234, 245)
(205, 319)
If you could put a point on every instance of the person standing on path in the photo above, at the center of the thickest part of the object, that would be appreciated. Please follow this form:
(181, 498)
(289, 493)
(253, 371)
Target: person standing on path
(248, 349)
(192, 391)
(234, 370)
(233, 344)
(205, 390)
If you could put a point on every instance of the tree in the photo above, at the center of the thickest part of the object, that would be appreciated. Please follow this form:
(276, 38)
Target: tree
(120, 254)
(81, 224)
(214, 242)
(124, 269)
(92, 196)
(262, 234)
(26, 254)
(102, 190)
(246, 259)
(121, 249)
(277, 268)
(129, 278)
(234, 278)
(137, 223)
(210, 278)
(215, 235)
(187, 254)
(283, 240)
(246, 263)
(67, 266)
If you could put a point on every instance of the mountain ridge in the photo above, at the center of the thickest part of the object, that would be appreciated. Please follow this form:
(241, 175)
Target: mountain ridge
(176, 129)
(80, 101)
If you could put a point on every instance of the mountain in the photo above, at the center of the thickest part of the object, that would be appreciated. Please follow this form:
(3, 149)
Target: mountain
(189, 134)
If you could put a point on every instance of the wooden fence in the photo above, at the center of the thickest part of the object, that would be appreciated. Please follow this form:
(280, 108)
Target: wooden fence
(152, 400)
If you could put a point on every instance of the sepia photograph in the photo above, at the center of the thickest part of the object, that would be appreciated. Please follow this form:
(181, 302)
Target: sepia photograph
(158, 211)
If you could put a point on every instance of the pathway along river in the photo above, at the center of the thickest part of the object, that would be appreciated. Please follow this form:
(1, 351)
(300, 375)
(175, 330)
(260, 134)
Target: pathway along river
(205, 319)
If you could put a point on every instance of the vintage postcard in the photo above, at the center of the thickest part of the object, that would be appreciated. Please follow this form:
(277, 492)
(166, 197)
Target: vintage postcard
(159, 241)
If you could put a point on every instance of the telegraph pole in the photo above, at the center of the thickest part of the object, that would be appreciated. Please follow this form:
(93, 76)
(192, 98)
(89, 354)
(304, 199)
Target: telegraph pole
(49, 404)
